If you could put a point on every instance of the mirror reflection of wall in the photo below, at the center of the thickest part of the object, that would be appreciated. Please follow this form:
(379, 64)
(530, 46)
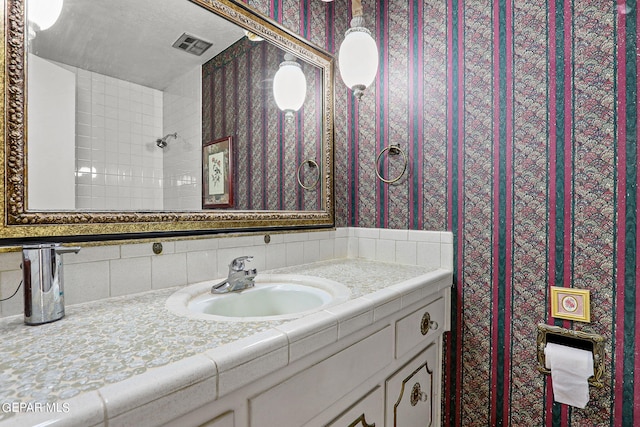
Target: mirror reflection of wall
(238, 102)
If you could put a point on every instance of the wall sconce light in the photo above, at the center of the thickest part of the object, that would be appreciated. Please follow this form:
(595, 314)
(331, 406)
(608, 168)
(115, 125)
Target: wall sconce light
(42, 14)
(358, 54)
(289, 86)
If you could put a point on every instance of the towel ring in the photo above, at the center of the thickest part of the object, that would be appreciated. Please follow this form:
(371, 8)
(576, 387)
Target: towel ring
(312, 164)
(394, 150)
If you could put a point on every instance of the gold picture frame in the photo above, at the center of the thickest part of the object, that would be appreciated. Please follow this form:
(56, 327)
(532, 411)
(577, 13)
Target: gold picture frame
(571, 304)
(217, 174)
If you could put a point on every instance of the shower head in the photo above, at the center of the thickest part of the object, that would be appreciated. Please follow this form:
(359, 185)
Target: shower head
(162, 142)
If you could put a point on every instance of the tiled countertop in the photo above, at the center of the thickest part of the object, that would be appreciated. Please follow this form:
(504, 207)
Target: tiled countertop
(103, 343)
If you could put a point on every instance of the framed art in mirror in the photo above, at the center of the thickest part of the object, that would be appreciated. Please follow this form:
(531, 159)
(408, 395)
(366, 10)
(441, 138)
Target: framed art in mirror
(217, 174)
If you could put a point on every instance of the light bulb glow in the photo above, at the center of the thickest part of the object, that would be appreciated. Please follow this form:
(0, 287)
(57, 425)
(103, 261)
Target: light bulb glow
(44, 13)
(289, 87)
(358, 59)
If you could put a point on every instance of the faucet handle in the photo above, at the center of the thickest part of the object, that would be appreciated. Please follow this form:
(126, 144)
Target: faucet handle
(238, 263)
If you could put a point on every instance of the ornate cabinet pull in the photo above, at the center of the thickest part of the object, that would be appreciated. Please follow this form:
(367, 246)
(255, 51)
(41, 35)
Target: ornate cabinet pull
(361, 419)
(426, 324)
(417, 395)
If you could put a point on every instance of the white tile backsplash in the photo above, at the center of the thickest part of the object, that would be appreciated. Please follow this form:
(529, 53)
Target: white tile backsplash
(276, 255)
(129, 275)
(311, 249)
(86, 282)
(385, 250)
(98, 272)
(367, 248)
(202, 266)
(9, 282)
(295, 253)
(168, 270)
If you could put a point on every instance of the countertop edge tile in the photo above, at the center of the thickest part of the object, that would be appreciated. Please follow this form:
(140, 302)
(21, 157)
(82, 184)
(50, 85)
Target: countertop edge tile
(241, 375)
(170, 406)
(414, 289)
(303, 327)
(353, 315)
(86, 409)
(245, 350)
(310, 333)
(156, 383)
(313, 342)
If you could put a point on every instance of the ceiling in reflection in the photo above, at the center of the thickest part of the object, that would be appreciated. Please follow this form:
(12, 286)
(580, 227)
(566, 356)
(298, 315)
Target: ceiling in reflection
(139, 48)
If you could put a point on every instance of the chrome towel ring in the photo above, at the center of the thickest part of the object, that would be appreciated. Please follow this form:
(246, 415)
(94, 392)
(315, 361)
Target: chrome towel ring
(313, 165)
(394, 150)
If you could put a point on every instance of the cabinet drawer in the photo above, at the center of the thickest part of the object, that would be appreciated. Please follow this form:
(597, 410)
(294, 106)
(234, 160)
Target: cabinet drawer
(420, 327)
(226, 420)
(412, 392)
(313, 390)
(368, 412)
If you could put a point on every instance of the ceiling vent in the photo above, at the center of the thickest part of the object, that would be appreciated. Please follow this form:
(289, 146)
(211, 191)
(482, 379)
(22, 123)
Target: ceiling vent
(191, 44)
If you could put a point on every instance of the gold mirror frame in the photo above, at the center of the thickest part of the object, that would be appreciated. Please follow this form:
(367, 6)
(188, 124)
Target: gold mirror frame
(18, 222)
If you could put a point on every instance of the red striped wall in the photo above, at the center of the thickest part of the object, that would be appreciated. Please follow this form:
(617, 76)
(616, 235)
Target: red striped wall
(526, 147)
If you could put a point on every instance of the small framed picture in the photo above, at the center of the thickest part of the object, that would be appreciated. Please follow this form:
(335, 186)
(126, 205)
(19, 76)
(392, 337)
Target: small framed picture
(571, 304)
(217, 174)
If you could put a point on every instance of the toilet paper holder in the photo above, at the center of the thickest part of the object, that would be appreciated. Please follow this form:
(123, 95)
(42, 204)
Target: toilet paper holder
(577, 339)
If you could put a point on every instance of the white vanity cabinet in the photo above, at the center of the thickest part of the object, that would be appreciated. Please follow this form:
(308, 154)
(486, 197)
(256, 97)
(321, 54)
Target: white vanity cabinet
(224, 420)
(300, 399)
(367, 412)
(386, 374)
(413, 393)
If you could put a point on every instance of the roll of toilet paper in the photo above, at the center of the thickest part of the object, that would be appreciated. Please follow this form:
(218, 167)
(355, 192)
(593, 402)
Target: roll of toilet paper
(570, 370)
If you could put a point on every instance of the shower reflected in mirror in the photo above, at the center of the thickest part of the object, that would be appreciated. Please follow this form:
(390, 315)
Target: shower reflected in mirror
(162, 142)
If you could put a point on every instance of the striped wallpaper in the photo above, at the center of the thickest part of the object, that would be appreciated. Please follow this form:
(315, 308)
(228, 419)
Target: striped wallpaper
(520, 122)
(267, 149)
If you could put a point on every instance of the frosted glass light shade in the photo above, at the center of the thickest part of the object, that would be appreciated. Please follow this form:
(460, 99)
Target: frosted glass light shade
(44, 13)
(358, 59)
(289, 86)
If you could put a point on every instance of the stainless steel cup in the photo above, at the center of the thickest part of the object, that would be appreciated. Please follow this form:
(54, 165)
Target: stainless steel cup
(43, 282)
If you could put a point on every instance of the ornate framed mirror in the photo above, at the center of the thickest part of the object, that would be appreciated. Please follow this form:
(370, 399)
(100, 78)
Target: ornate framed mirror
(149, 85)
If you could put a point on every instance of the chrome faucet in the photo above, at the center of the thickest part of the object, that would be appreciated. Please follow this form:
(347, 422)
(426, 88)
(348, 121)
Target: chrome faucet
(238, 279)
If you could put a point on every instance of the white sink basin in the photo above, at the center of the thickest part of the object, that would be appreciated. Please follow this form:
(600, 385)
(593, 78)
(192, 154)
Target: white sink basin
(274, 297)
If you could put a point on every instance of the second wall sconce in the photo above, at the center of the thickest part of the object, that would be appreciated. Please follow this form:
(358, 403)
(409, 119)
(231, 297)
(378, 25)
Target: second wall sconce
(289, 86)
(358, 54)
